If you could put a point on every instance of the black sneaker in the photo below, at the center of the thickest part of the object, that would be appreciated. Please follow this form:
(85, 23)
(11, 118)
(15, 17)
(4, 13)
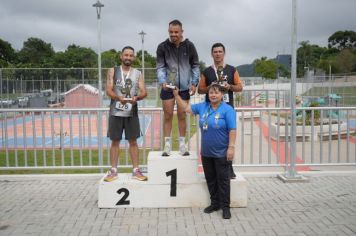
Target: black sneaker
(211, 209)
(226, 213)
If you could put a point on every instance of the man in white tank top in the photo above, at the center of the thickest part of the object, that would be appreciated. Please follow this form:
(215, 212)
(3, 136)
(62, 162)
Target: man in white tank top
(125, 86)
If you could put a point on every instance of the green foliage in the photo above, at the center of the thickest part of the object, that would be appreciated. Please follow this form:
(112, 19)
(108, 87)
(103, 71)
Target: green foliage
(308, 56)
(36, 53)
(266, 68)
(80, 57)
(110, 58)
(202, 66)
(308, 114)
(342, 40)
(150, 61)
(345, 61)
(7, 54)
(340, 56)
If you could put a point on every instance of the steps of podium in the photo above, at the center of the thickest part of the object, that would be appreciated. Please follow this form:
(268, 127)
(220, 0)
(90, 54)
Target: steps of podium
(172, 182)
(127, 192)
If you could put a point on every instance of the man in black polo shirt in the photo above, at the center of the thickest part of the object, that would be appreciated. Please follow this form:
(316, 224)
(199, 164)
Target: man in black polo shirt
(221, 70)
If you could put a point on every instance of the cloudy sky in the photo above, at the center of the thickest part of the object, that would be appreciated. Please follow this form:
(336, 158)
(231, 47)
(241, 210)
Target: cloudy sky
(249, 29)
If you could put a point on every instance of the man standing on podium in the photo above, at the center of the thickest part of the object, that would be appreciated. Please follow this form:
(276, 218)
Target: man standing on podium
(224, 74)
(177, 66)
(125, 86)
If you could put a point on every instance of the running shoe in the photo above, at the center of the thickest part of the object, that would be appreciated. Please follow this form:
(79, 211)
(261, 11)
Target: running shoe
(138, 175)
(111, 175)
(167, 149)
(183, 150)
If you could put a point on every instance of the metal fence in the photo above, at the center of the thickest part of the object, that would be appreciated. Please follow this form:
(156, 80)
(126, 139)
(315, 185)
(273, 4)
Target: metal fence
(76, 138)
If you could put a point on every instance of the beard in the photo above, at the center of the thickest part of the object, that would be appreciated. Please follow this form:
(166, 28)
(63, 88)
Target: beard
(127, 62)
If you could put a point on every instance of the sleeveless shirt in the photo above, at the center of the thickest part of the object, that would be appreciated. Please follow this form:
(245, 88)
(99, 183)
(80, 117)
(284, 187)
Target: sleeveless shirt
(126, 87)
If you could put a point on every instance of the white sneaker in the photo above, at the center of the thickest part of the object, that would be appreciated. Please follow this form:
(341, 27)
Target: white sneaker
(183, 150)
(167, 150)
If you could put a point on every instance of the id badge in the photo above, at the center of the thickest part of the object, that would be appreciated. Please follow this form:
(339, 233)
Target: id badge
(127, 107)
(205, 126)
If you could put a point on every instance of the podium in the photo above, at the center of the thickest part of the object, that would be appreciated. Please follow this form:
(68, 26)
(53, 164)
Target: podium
(173, 181)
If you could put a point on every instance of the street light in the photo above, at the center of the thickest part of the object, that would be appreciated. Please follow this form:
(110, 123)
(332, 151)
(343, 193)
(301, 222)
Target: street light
(143, 56)
(143, 52)
(291, 175)
(98, 5)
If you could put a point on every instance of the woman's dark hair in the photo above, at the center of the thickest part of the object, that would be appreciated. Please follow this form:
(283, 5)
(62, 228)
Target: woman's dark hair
(215, 87)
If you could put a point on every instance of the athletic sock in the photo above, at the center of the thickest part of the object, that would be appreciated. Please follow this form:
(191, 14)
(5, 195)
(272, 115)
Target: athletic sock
(181, 140)
(167, 140)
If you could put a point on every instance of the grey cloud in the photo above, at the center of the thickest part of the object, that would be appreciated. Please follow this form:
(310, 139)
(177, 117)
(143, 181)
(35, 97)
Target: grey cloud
(250, 29)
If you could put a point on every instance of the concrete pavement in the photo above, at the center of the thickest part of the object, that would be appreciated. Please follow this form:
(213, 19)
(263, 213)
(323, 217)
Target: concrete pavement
(67, 205)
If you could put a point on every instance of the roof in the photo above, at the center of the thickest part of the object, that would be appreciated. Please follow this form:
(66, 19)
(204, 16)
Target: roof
(86, 87)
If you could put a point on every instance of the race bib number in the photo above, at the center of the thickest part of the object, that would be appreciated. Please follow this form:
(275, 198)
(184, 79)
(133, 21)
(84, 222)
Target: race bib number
(127, 107)
(226, 97)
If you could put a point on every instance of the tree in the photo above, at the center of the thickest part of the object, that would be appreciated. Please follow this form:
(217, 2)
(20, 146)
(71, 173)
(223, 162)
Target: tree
(202, 66)
(150, 61)
(266, 68)
(342, 40)
(7, 54)
(345, 61)
(110, 58)
(309, 56)
(76, 57)
(36, 53)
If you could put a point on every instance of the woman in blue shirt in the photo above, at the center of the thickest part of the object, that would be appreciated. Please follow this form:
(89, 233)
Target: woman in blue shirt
(217, 122)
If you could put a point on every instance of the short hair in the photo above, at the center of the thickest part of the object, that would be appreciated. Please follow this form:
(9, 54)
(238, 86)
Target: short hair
(175, 22)
(215, 87)
(127, 47)
(216, 45)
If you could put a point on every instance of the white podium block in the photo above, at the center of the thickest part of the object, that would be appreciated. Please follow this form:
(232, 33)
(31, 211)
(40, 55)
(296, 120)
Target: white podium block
(158, 167)
(126, 192)
(172, 182)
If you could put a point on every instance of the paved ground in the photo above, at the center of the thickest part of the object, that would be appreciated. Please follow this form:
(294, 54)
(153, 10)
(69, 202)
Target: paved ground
(67, 205)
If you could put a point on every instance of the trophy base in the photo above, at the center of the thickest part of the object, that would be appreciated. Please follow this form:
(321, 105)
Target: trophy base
(127, 99)
(171, 86)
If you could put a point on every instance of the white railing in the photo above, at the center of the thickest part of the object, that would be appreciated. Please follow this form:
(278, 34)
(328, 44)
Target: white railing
(69, 139)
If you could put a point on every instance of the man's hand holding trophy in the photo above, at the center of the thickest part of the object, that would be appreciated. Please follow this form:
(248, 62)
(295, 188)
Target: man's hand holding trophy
(172, 77)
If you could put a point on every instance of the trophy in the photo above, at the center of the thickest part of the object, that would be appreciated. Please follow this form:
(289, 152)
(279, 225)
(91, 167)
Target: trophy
(222, 80)
(126, 90)
(172, 75)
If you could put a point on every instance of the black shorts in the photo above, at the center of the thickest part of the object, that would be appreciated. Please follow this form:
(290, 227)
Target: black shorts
(168, 94)
(118, 124)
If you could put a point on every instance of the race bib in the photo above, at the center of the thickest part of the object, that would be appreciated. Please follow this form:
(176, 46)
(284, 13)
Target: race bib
(226, 97)
(127, 107)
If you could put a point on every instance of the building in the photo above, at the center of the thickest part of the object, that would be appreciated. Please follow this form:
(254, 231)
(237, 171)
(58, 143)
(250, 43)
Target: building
(82, 96)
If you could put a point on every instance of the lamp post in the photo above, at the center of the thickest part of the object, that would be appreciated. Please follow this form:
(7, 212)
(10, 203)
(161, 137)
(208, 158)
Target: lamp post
(98, 5)
(142, 34)
(291, 172)
(143, 52)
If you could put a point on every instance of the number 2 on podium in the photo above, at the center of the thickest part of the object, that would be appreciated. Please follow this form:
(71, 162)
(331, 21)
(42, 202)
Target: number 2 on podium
(173, 173)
